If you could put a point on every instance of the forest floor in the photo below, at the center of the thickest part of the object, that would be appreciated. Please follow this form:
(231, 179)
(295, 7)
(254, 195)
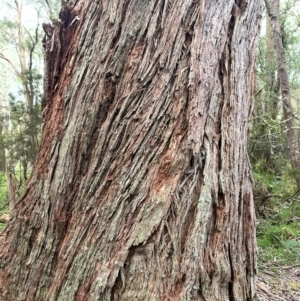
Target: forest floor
(278, 283)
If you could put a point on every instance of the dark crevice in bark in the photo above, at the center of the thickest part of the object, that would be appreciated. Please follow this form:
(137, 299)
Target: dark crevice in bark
(139, 197)
(230, 284)
(118, 32)
(242, 5)
(117, 288)
(187, 223)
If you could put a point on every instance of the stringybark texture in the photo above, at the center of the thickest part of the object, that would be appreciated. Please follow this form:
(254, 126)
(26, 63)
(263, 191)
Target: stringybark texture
(142, 187)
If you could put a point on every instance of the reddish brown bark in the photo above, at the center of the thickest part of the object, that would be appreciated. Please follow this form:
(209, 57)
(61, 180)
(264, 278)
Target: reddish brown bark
(142, 188)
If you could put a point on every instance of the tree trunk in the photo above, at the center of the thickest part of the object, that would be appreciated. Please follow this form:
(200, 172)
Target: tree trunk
(273, 10)
(272, 81)
(12, 191)
(11, 182)
(142, 187)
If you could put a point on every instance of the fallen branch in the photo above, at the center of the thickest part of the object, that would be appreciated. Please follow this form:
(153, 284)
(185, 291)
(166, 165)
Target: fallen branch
(288, 198)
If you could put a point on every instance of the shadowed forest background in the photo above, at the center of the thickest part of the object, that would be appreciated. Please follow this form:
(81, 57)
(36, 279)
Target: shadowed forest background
(274, 163)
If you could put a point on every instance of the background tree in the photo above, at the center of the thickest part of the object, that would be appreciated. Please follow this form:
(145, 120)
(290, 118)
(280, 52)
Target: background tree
(21, 89)
(276, 192)
(273, 10)
(142, 187)
(269, 144)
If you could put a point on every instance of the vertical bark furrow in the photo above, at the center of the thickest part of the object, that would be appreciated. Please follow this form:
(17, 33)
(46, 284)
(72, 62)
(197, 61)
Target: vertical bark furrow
(141, 190)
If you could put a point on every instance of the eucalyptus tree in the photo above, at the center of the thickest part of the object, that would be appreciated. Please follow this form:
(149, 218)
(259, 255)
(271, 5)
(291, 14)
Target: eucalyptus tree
(273, 10)
(142, 186)
(269, 145)
(21, 84)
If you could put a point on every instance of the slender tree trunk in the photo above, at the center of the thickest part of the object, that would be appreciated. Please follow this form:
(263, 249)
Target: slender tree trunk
(142, 187)
(273, 83)
(2, 153)
(22, 54)
(273, 10)
(12, 191)
(11, 182)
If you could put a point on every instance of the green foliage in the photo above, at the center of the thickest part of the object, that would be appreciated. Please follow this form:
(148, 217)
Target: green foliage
(8, 32)
(25, 128)
(278, 210)
(2, 226)
(277, 198)
(21, 86)
(3, 193)
(279, 241)
(3, 197)
(290, 24)
(276, 183)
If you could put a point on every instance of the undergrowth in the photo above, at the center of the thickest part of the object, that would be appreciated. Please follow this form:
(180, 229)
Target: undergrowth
(278, 211)
(3, 197)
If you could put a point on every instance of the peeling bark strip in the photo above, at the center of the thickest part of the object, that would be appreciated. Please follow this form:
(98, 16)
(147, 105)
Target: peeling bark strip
(142, 188)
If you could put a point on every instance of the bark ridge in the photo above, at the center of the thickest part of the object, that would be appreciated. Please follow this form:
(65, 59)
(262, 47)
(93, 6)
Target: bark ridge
(142, 187)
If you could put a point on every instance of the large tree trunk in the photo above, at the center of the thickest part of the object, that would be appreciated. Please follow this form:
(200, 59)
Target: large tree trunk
(142, 187)
(273, 10)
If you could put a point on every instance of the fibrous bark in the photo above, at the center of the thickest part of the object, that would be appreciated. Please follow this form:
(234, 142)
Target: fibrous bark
(142, 187)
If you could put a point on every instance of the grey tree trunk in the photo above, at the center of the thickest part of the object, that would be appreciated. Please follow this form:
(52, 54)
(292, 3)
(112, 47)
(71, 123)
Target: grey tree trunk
(11, 182)
(273, 10)
(272, 80)
(142, 187)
